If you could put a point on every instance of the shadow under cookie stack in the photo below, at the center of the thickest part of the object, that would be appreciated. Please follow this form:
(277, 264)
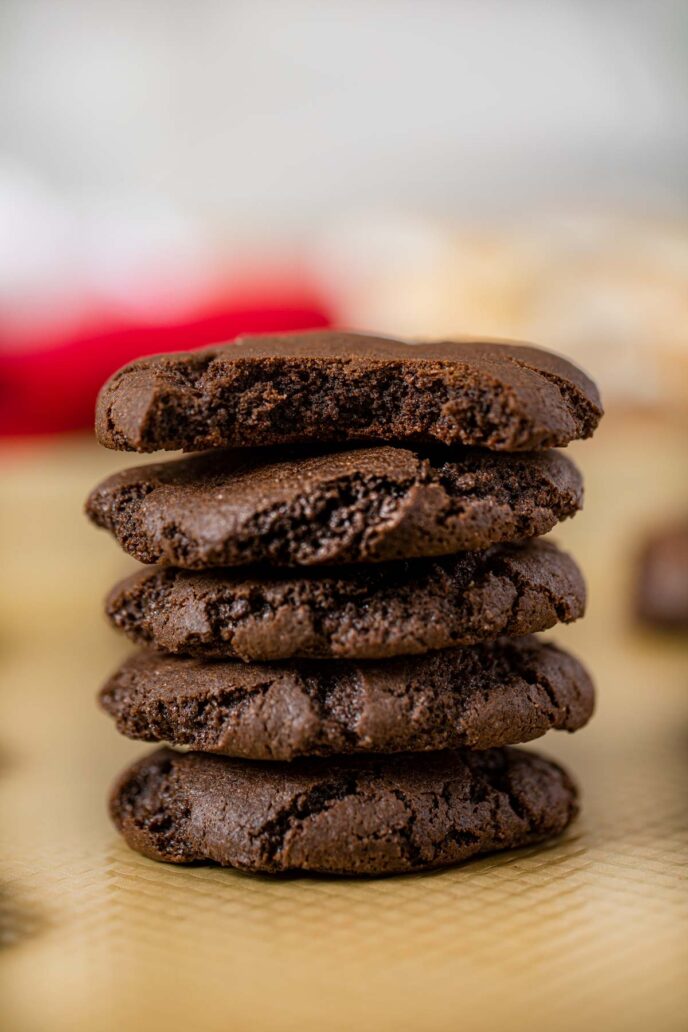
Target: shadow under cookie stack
(339, 600)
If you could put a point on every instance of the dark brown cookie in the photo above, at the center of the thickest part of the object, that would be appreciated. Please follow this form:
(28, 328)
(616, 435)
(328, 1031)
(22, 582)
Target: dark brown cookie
(662, 579)
(336, 386)
(359, 612)
(500, 693)
(368, 815)
(364, 505)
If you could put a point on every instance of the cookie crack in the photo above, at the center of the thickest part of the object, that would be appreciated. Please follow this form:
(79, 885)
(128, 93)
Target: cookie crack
(272, 836)
(462, 838)
(336, 525)
(153, 805)
(413, 853)
(198, 722)
(584, 412)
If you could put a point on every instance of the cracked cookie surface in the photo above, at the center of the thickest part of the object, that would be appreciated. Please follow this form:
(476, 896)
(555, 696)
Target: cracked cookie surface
(336, 386)
(360, 612)
(353, 816)
(295, 508)
(501, 693)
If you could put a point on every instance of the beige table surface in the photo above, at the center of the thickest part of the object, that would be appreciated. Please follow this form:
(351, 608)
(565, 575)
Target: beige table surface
(588, 933)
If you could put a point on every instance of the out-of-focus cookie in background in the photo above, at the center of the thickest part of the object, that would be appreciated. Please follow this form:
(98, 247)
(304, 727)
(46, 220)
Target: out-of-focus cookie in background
(662, 579)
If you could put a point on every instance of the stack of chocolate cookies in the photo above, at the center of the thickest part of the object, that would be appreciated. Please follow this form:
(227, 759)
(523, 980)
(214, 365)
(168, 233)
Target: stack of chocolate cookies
(339, 600)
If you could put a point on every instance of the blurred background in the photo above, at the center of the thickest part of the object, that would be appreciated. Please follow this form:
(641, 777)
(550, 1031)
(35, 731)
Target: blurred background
(174, 173)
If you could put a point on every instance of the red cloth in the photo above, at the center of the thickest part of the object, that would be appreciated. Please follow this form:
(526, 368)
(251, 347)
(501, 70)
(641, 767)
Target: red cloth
(47, 389)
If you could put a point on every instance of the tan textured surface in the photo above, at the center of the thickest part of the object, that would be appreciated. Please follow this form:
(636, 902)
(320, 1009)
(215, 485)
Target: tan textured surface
(590, 932)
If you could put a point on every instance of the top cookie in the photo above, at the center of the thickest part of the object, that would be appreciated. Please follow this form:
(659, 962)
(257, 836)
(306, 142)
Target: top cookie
(333, 387)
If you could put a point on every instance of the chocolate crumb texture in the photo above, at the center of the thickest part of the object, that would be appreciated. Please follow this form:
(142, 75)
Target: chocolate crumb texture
(334, 387)
(302, 509)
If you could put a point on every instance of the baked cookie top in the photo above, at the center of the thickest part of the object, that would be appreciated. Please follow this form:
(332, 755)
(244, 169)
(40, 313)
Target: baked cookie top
(355, 816)
(497, 693)
(375, 611)
(339, 387)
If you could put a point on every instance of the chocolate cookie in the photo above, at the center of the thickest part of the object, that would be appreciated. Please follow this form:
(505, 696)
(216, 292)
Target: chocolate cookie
(368, 815)
(662, 579)
(328, 387)
(363, 505)
(500, 693)
(359, 612)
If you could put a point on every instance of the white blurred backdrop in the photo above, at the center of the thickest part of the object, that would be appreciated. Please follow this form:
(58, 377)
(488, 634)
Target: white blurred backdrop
(270, 114)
